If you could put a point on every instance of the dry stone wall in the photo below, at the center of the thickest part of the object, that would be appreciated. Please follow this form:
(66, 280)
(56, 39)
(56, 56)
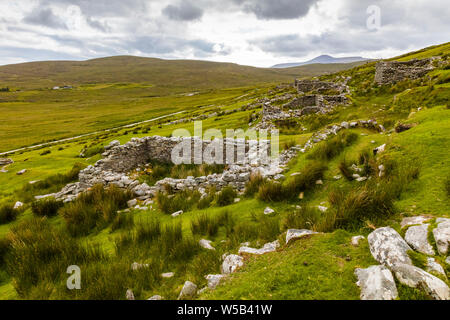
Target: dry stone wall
(388, 72)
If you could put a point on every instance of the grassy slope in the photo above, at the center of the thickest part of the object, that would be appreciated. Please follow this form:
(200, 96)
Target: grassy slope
(282, 274)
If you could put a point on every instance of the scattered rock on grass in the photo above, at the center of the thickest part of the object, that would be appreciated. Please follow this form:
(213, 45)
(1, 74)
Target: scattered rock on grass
(206, 244)
(356, 239)
(297, 233)
(417, 278)
(167, 275)
(268, 247)
(176, 214)
(413, 220)
(155, 297)
(231, 263)
(188, 291)
(268, 210)
(214, 280)
(417, 238)
(21, 172)
(442, 235)
(129, 295)
(18, 205)
(376, 283)
(132, 203)
(388, 247)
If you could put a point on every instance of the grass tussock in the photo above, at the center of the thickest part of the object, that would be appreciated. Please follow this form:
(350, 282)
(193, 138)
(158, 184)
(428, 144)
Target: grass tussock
(275, 191)
(46, 207)
(183, 200)
(252, 186)
(226, 196)
(94, 209)
(331, 148)
(8, 213)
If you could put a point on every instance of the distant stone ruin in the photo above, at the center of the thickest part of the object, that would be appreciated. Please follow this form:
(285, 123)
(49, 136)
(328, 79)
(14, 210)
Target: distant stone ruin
(388, 72)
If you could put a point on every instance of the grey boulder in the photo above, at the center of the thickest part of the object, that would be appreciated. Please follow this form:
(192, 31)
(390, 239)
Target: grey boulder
(376, 283)
(388, 247)
(417, 238)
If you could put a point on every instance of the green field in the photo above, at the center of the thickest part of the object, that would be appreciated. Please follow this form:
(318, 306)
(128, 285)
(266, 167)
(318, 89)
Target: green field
(319, 267)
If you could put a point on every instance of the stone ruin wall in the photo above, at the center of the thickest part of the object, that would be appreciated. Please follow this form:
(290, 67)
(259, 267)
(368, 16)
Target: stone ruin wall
(388, 72)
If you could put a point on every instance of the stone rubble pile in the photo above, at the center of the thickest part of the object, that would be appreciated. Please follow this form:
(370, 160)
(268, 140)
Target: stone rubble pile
(388, 72)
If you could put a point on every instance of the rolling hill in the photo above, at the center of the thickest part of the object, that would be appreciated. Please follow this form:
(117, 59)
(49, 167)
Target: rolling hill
(323, 59)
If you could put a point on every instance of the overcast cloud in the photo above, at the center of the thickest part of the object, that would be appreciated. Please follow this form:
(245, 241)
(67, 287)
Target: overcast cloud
(251, 32)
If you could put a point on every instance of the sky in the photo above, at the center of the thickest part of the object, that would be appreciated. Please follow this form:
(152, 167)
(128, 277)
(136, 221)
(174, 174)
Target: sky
(250, 32)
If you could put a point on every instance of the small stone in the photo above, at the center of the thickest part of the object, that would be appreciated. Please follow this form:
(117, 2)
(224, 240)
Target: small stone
(155, 297)
(167, 275)
(206, 244)
(188, 291)
(214, 280)
(268, 247)
(231, 263)
(376, 283)
(297, 234)
(337, 177)
(18, 205)
(322, 208)
(129, 295)
(319, 182)
(176, 214)
(236, 200)
(268, 210)
(356, 239)
(21, 172)
(442, 235)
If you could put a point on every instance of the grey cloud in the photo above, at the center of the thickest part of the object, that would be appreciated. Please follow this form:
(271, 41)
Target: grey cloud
(45, 17)
(183, 12)
(280, 9)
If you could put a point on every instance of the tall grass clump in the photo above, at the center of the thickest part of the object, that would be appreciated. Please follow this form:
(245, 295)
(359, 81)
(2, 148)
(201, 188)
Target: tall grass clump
(94, 209)
(183, 200)
(204, 224)
(226, 196)
(252, 186)
(123, 220)
(46, 207)
(8, 213)
(40, 254)
(327, 150)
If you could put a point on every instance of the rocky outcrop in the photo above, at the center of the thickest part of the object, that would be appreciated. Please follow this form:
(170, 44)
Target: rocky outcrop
(376, 283)
(388, 72)
(409, 221)
(388, 247)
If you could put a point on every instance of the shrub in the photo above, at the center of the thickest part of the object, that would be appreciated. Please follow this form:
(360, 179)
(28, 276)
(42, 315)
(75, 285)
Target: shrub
(45, 152)
(46, 207)
(307, 180)
(8, 213)
(94, 209)
(226, 196)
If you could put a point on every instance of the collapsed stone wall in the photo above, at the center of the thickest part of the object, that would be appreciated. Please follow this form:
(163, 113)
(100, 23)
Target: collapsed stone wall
(304, 86)
(388, 72)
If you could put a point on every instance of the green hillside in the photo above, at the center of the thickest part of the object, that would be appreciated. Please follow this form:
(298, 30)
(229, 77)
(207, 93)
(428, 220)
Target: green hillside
(38, 241)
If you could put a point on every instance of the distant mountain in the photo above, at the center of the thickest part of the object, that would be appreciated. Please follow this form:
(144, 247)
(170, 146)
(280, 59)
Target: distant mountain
(325, 59)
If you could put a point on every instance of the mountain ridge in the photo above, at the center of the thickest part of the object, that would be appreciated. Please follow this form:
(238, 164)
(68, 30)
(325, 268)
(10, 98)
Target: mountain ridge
(324, 59)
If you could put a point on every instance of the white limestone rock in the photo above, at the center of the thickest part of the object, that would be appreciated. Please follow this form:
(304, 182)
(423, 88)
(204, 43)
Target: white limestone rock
(167, 274)
(297, 234)
(376, 283)
(442, 235)
(214, 280)
(188, 291)
(388, 247)
(433, 266)
(231, 263)
(155, 297)
(415, 277)
(268, 210)
(417, 238)
(268, 247)
(129, 295)
(206, 244)
(356, 240)
(409, 221)
(18, 205)
(176, 214)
